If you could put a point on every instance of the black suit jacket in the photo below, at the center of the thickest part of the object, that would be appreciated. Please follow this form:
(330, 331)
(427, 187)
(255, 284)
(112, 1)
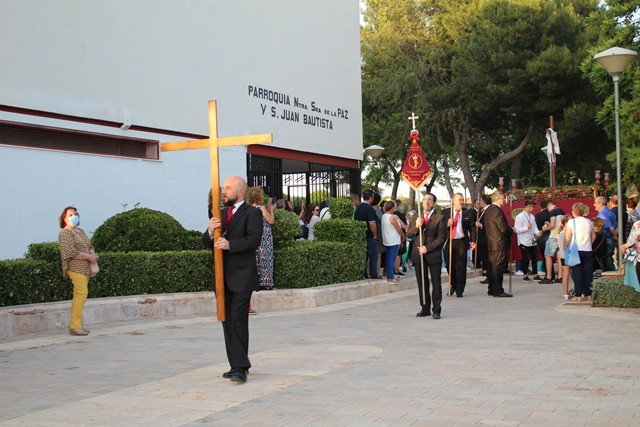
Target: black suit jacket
(244, 236)
(497, 229)
(433, 237)
(481, 236)
(468, 224)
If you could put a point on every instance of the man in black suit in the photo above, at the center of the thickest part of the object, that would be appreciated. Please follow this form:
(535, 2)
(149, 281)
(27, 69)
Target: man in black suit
(481, 237)
(427, 255)
(241, 235)
(498, 242)
(461, 231)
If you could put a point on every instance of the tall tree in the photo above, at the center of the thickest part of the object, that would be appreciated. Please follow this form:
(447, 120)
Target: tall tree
(484, 75)
(618, 24)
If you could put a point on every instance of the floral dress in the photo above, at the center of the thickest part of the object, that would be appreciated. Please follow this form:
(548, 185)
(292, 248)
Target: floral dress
(631, 268)
(264, 256)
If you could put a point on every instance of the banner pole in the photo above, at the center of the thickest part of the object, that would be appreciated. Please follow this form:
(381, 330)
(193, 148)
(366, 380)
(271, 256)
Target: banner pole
(450, 247)
(510, 238)
(475, 258)
(425, 287)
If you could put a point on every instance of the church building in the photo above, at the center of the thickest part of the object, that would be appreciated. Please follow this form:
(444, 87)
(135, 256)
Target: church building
(90, 90)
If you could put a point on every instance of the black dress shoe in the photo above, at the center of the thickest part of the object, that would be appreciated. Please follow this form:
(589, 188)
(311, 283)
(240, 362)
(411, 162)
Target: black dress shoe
(459, 296)
(436, 316)
(423, 313)
(503, 295)
(238, 375)
(228, 374)
(485, 282)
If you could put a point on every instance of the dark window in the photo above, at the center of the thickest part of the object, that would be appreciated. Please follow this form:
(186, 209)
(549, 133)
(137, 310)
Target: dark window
(52, 138)
(300, 178)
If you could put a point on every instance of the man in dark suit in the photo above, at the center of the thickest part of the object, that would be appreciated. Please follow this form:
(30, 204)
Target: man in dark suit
(498, 242)
(481, 236)
(427, 255)
(241, 235)
(461, 235)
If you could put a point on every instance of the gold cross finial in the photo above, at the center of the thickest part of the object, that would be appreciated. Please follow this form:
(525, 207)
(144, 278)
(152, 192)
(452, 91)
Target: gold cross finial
(413, 119)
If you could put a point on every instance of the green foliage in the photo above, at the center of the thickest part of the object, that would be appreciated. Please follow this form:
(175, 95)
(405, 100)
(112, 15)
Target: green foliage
(614, 293)
(484, 76)
(341, 230)
(319, 196)
(45, 251)
(286, 226)
(305, 264)
(142, 229)
(139, 273)
(29, 281)
(341, 208)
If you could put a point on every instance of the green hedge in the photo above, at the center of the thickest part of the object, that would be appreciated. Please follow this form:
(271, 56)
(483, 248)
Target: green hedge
(338, 255)
(28, 281)
(45, 251)
(305, 264)
(614, 293)
(143, 229)
(342, 230)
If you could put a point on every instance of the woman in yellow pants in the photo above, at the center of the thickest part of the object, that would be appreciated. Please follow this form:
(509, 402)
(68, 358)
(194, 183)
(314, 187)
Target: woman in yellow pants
(78, 260)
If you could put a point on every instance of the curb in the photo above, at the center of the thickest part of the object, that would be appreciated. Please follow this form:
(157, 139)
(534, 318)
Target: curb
(26, 319)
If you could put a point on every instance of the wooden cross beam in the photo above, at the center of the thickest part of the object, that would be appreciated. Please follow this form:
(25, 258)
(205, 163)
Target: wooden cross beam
(213, 143)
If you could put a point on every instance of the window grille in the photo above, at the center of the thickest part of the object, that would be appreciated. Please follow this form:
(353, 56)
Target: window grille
(53, 138)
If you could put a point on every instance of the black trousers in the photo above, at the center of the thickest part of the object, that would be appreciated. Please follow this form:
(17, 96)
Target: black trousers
(458, 268)
(497, 267)
(433, 270)
(236, 328)
(481, 257)
(529, 252)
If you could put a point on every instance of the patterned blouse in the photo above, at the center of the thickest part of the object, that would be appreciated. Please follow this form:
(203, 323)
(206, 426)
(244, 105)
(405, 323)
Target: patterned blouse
(634, 237)
(71, 242)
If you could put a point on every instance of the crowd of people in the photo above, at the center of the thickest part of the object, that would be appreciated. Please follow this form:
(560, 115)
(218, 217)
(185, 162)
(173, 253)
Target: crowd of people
(430, 240)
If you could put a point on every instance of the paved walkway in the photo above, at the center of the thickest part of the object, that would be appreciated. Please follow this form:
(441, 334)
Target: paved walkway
(527, 360)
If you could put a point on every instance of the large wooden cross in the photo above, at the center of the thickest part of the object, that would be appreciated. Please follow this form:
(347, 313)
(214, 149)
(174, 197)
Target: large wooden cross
(213, 143)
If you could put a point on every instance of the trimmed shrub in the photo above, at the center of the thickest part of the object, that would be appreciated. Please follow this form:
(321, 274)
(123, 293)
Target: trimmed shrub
(142, 229)
(286, 227)
(29, 281)
(137, 273)
(341, 208)
(305, 264)
(45, 251)
(342, 230)
(614, 293)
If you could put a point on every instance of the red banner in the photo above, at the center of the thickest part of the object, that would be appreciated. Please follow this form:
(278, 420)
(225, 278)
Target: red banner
(416, 170)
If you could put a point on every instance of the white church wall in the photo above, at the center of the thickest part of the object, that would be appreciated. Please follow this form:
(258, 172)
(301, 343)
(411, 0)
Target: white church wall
(160, 62)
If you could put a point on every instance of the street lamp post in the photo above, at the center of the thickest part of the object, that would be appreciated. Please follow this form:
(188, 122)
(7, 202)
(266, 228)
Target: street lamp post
(615, 61)
(375, 151)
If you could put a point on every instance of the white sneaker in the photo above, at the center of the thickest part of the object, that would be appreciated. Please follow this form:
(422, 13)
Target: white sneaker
(566, 296)
(519, 273)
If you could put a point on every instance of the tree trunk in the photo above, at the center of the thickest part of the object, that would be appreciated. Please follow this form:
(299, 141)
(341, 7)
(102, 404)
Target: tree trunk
(488, 168)
(411, 203)
(461, 138)
(516, 166)
(445, 162)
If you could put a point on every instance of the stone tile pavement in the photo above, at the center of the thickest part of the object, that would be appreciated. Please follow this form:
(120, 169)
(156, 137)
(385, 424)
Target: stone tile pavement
(522, 361)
